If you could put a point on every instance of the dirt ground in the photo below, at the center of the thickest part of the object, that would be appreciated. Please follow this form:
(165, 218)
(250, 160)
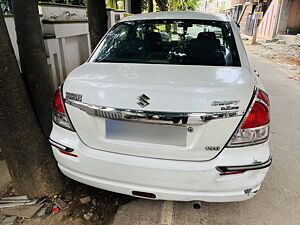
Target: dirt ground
(100, 209)
(287, 57)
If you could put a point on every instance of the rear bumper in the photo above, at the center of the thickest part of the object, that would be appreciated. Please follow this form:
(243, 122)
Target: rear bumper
(166, 179)
(161, 193)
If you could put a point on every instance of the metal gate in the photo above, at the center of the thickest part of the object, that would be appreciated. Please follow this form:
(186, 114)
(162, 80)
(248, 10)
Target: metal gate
(249, 25)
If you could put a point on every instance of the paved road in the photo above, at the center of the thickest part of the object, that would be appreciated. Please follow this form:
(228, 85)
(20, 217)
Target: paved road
(278, 202)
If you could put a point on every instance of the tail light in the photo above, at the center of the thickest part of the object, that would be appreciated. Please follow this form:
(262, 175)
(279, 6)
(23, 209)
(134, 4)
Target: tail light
(254, 129)
(59, 114)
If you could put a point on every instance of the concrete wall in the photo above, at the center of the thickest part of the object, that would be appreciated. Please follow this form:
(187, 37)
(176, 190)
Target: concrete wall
(283, 17)
(293, 22)
(54, 60)
(10, 24)
(76, 52)
(68, 47)
(63, 12)
(268, 25)
(67, 38)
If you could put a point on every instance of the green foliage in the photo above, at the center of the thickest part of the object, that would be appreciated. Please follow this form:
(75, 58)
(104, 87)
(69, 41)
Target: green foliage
(179, 5)
(183, 5)
(6, 6)
(144, 5)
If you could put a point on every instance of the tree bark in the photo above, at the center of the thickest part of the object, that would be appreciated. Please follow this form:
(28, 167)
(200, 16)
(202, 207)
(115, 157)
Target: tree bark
(150, 5)
(136, 6)
(25, 148)
(33, 60)
(162, 5)
(97, 16)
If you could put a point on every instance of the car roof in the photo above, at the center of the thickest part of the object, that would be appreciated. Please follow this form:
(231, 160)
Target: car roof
(191, 15)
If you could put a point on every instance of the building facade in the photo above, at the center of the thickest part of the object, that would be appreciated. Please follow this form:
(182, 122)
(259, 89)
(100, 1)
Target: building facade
(279, 17)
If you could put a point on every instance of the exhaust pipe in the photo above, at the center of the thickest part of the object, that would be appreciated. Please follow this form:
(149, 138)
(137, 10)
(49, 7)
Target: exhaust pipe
(196, 205)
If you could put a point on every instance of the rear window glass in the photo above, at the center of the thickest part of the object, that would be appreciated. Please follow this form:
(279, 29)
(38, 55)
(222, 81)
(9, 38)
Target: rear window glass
(188, 42)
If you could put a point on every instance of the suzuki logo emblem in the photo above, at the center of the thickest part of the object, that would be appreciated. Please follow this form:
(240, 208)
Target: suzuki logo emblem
(143, 100)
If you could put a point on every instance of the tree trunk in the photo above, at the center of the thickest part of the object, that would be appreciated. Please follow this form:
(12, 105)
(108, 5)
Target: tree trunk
(33, 60)
(150, 5)
(25, 148)
(97, 20)
(162, 5)
(136, 6)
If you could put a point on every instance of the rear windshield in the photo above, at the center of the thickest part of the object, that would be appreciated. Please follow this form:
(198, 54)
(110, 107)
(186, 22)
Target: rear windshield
(188, 42)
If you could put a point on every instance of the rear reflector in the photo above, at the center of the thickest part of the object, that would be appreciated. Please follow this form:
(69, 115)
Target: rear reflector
(67, 153)
(230, 173)
(144, 194)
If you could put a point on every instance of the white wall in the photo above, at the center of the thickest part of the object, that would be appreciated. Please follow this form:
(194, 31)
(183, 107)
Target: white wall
(67, 50)
(50, 12)
(10, 24)
(69, 45)
(76, 52)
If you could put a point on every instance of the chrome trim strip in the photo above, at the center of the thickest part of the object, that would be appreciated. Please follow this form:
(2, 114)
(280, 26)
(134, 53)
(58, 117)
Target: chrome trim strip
(60, 146)
(57, 145)
(254, 166)
(155, 117)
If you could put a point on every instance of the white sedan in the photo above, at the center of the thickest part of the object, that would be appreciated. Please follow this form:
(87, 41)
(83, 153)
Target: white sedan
(166, 107)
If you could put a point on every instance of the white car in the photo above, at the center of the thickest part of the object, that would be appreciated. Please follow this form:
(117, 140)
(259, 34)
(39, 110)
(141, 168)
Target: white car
(175, 118)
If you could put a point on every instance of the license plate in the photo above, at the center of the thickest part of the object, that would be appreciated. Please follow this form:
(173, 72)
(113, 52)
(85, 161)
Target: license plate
(147, 133)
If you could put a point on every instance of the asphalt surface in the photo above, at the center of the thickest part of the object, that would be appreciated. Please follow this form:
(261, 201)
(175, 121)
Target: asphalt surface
(278, 201)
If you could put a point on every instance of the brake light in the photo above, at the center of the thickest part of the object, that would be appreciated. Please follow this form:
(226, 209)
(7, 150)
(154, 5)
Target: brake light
(255, 127)
(59, 115)
(258, 116)
(264, 97)
(57, 102)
